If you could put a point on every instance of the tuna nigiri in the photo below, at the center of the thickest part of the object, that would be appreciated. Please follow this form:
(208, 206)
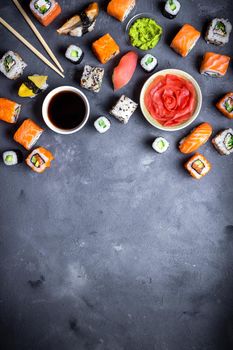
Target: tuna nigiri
(120, 9)
(198, 137)
(124, 72)
(214, 65)
(185, 40)
(28, 134)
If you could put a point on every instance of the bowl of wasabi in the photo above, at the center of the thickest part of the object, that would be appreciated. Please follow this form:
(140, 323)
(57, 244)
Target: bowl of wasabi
(143, 31)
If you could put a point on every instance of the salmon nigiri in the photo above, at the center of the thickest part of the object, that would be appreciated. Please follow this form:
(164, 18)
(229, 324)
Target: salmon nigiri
(185, 40)
(124, 72)
(214, 65)
(198, 137)
(28, 134)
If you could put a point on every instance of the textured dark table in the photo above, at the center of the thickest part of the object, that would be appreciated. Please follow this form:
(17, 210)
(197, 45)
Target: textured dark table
(115, 247)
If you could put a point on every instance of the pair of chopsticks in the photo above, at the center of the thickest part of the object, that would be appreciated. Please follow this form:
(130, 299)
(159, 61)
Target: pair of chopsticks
(40, 38)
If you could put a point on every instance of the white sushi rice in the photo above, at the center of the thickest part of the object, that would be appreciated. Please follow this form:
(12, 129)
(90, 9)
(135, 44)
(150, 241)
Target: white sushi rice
(168, 7)
(77, 57)
(17, 67)
(215, 35)
(149, 62)
(219, 142)
(160, 145)
(124, 109)
(10, 158)
(102, 124)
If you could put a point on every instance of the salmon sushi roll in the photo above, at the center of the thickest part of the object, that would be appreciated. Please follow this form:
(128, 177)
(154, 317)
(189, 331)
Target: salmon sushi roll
(197, 138)
(225, 105)
(45, 11)
(185, 40)
(28, 134)
(9, 110)
(120, 9)
(105, 48)
(198, 166)
(39, 159)
(214, 65)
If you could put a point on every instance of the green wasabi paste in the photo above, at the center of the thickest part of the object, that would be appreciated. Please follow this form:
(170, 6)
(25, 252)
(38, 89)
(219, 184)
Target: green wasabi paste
(145, 33)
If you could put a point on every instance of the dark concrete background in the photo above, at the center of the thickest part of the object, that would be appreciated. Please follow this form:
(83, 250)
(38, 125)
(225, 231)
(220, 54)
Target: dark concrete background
(116, 247)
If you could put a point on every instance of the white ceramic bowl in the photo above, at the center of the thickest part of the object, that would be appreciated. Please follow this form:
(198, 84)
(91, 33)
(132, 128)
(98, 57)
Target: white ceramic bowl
(182, 74)
(46, 105)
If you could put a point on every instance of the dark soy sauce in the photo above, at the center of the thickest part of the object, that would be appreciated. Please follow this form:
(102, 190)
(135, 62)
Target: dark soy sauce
(66, 110)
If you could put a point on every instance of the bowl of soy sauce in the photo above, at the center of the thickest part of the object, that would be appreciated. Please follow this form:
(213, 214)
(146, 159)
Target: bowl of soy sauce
(66, 110)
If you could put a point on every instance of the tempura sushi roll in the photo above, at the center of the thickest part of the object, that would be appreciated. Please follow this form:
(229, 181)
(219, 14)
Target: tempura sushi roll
(218, 32)
(160, 145)
(102, 124)
(185, 40)
(225, 105)
(105, 48)
(45, 11)
(12, 157)
(12, 65)
(9, 110)
(198, 166)
(124, 109)
(120, 9)
(214, 65)
(33, 86)
(171, 9)
(149, 63)
(39, 159)
(28, 134)
(223, 142)
(196, 138)
(74, 54)
(92, 78)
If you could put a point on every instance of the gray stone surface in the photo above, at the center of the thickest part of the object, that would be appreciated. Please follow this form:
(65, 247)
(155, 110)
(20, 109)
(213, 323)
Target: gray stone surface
(115, 247)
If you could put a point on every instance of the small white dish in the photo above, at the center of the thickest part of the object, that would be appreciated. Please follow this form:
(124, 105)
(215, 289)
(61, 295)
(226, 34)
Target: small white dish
(182, 74)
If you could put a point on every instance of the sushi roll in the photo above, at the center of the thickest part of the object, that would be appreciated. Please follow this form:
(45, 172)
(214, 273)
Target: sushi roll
(171, 9)
(120, 9)
(197, 138)
(223, 142)
(39, 159)
(105, 48)
(149, 63)
(160, 145)
(12, 65)
(102, 124)
(34, 85)
(12, 157)
(28, 134)
(185, 40)
(214, 65)
(81, 24)
(9, 110)
(225, 105)
(124, 109)
(45, 11)
(218, 32)
(74, 54)
(92, 78)
(198, 166)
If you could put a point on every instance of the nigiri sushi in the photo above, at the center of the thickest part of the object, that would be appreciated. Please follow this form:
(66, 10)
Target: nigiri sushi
(124, 72)
(198, 137)
(9, 110)
(214, 65)
(225, 105)
(185, 40)
(120, 9)
(79, 25)
(28, 134)
(45, 11)
(198, 166)
(105, 48)
(33, 85)
(39, 159)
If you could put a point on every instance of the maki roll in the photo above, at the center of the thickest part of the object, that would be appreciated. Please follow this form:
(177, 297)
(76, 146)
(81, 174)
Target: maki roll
(28, 134)
(185, 40)
(92, 78)
(160, 145)
(102, 124)
(12, 65)
(9, 110)
(225, 105)
(105, 48)
(198, 166)
(218, 32)
(12, 157)
(74, 54)
(45, 11)
(171, 9)
(223, 142)
(149, 63)
(120, 9)
(39, 159)
(124, 109)
(214, 65)
(33, 86)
